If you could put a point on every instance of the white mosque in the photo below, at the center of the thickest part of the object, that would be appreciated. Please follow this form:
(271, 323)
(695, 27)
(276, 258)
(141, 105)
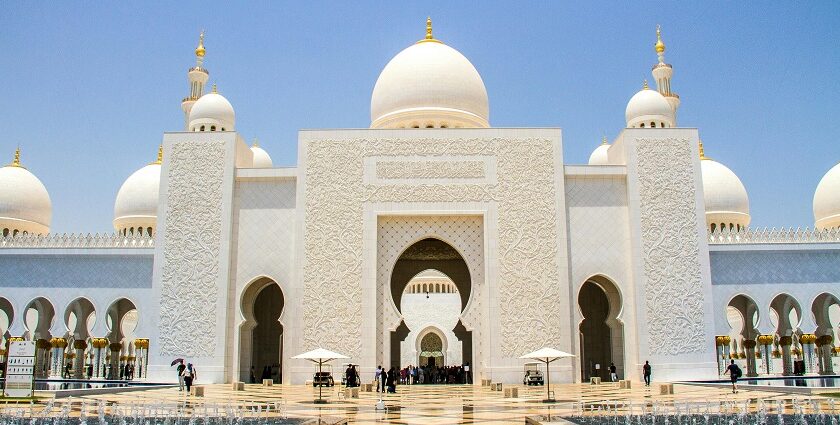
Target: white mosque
(429, 238)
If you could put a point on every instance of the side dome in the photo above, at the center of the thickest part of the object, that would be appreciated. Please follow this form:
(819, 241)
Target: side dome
(827, 200)
(212, 112)
(599, 155)
(649, 109)
(135, 210)
(261, 157)
(429, 85)
(725, 197)
(25, 205)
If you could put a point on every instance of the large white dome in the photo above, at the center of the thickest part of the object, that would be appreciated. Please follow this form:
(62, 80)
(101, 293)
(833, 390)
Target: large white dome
(135, 210)
(212, 112)
(429, 84)
(261, 157)
(827, 200)
(25, 204)
(725, 197)
(648, 108)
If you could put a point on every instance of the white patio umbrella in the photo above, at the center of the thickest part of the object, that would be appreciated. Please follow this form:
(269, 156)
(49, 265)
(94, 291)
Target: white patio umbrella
(320, 356)
(547, 355)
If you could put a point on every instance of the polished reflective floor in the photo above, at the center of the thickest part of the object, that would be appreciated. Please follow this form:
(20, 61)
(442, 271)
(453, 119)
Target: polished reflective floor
(443, 404)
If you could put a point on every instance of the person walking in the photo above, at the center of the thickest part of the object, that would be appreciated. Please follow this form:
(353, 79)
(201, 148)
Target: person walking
(734, 374)
(613, 372)
(180, 370)
(189, 376)
(377, 377)
(391, 380)
(646, 373)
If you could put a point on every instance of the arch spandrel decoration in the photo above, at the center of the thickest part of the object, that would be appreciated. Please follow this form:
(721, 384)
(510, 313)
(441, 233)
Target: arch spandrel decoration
(396, 233)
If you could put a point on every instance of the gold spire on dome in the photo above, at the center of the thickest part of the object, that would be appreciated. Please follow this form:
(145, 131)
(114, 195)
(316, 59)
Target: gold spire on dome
(256, 143)
(645, 85)
(214, 89)
(199, 51)
(16, 160)
(660, 46)
(160, 155)
(429, 36)
(604, 140)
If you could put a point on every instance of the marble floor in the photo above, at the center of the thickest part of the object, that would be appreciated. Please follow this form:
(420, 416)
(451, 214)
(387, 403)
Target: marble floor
(446, 404)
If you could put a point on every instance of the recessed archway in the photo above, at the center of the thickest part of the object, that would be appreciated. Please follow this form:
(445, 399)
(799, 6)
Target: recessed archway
(601, 330)
(454, 280)
(261, 334)
(7, 315)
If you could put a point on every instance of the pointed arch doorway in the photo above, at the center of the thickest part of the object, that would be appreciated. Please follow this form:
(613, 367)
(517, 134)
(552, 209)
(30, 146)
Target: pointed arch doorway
(601, 330)
(261, 335)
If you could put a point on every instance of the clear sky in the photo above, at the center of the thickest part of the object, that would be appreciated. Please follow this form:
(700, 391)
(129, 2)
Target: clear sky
(88, 89)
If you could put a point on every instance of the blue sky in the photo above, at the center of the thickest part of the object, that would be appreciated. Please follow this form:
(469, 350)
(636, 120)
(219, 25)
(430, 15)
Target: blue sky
(89, 88)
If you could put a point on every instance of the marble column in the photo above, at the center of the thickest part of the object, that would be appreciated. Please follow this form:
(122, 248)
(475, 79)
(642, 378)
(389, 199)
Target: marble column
(722, 349)
(42, 353)
(99, 354)
(79, 346)
(825, 347)
(57, 357)
(142, 355)
(787, 360)
(749, 346)
(808, 354)
(766, 344)
(115, 348)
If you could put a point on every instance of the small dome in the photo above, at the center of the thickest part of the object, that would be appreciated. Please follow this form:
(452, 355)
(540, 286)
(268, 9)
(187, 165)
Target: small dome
(599, 155)
(648, 108)
(135, 210)
(212, 112)
(25, 204)
(827, 200)
(261, 157)
(724, 196)
(429, 84)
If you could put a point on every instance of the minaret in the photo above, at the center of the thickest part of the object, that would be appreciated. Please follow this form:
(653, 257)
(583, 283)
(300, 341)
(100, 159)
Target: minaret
(198, 78)
(662, 73)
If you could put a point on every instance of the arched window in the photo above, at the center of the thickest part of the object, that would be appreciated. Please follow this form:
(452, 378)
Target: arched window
(15, 232)
(212, 128)
(149, 231)
(5, 232)
(223, 129)
(643, 125)
(202, 128)
(714, 226)
(416, 126)
(652, 124)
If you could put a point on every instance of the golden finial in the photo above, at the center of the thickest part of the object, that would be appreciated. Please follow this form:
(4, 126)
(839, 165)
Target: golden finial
(256, 143)
(160, 155)
(429, 36)
(645, 85)
(214, 89)
(660, 46)
(199, 51)
(16, 161)
(604, 140)
(702, 153)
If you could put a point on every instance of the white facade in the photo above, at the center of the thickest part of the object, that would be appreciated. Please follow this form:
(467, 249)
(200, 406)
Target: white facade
(612, 261)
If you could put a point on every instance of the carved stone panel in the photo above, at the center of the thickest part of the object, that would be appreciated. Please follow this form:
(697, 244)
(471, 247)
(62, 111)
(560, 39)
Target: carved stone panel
(670, 247)
(189, 303)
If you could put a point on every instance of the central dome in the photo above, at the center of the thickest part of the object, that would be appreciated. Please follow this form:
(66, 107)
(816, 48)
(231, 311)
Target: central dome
(429, 85)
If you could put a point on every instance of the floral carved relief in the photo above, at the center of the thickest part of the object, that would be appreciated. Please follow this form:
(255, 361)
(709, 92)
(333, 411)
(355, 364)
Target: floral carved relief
(430, 169)
(189, 291)
(670, 246)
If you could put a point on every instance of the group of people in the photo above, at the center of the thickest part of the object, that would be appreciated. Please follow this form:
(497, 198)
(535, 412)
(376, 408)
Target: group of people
(387, 380)
(126, 371)
(186, 375)
(267, 373)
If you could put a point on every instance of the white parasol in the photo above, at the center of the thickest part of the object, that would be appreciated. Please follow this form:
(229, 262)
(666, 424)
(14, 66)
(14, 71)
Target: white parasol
(320, 356)
(547, 355)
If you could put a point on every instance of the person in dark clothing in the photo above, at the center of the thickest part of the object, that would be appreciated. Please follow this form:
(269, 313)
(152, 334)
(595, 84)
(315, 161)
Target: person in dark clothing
(613, 373)
(90, 370)
(266, 373)
(646, 373)
(253, 377)
(391, 380)
(180, 369)
(189, 376)
(734, 374)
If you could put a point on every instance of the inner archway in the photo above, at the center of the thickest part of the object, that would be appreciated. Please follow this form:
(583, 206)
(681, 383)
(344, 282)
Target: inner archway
(601, 331)
(431, 349)
(434, 271)
(261, 336)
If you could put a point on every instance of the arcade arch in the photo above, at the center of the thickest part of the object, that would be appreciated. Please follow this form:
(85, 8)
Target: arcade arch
(121, 320)
(261, 333)
(785, 316)
(742, 313)
(79, 318)
(601, 331)
(7, 314)
(825, 308)
(433, 269)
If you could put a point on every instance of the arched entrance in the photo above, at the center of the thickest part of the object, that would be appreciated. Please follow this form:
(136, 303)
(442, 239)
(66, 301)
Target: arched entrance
(431, 349)
(785, 315)
(261, 335)
(121, 321)
(743, 316)
(601, 331)
(453, 280)
(825, 308)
